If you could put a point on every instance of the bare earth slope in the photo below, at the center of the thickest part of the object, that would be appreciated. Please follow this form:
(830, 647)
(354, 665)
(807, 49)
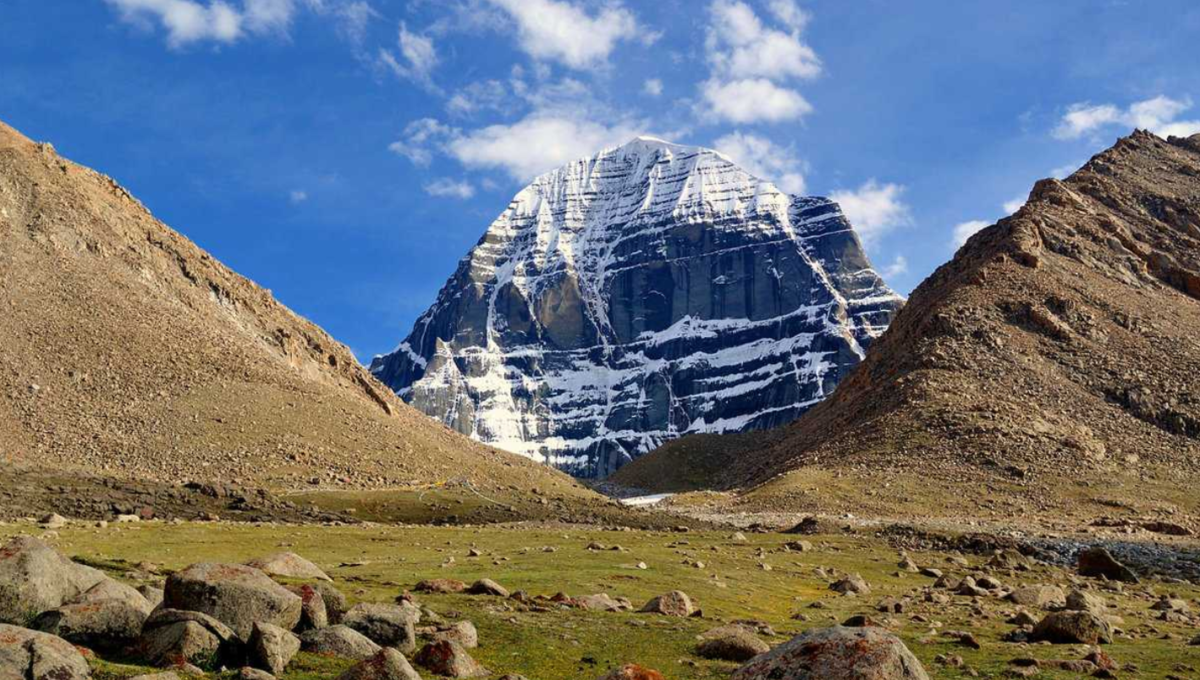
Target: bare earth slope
(1053, 363)
(126, 350)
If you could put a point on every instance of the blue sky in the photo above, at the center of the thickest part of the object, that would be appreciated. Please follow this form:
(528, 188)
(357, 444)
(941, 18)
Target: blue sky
(346, 153)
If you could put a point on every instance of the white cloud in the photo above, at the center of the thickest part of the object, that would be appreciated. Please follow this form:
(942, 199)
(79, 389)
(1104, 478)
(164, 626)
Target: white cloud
(653, 87)
(1065, 171)
(1158, 115)
(224, 21)
(447, 188)
(898, 266)
(298, 196)
(559, 30)
(185, 21)
(750, 101)
(761, 158)
(420, 138)
(417, 57)
(540, 142)
(873, 209)
(480, 96)
(1014, 205)
(749, 62)
(965, 230)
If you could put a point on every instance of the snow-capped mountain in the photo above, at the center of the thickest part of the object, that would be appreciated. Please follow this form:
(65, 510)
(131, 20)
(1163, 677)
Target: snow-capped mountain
(649, 292)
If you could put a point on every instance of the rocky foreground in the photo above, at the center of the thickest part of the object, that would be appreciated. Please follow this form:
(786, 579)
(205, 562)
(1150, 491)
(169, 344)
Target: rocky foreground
(389, 602)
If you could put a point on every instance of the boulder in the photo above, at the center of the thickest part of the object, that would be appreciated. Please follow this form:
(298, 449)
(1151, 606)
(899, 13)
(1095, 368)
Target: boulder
(486, 586)
(448, 658)
(388, 664)
(165, 675)
(674, 603)
(389, 625)
(440, 585)
(851, 584)
(1043, 597)
(463, 632)
(1098, 562)
(32, 655)
(632, 671)
(35, 577)
(234, 594)
(272, 648)
(1079, 601)
(731, 645)
(109, 589)
(102, 624)
(836, 654)
(288, 565)
(153, 595)
(1070, 627)
(252, 673)
(340, 641)
(603, 603)
(172, 637)
(335, 601)
(313, 613)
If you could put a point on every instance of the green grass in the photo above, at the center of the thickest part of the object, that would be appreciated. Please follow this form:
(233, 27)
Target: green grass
(376, 563)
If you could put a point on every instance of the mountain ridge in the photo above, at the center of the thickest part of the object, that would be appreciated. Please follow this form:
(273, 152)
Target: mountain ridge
(624, 271)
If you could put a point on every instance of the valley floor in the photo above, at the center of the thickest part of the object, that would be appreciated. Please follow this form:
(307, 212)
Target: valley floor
(733, 575)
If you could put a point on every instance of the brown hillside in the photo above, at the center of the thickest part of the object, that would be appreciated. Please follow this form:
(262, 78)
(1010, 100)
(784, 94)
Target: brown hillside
(1054, 362)
(126, 350)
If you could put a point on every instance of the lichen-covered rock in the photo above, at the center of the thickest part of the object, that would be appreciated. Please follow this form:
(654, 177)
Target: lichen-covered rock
(836, 654)
(731, 645)
(237, 595)
(32, 655)
(101, 624)
(440, 585)
(171, 637)
(448, 658)
(387, 664)
(288, 565)
(631, 671)
(340, 641)
(1043, 597)
(486, 586)
(34, 577)
(853, 584)
(335, 601)
(1067, 627)
(463, 632)
(389, 625)
(313, 613)
(272, 648)
(674, 603)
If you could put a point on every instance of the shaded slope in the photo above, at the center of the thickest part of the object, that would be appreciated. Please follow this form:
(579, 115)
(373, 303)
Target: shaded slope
(1054, 359)
(125, 350)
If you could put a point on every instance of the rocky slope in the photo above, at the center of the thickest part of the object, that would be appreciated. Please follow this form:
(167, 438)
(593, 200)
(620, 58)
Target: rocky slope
(126, 351)
(1052, 361)
(649, 292)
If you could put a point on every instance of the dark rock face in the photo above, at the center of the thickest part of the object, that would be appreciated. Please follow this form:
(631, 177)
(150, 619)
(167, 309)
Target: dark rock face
(628, 299)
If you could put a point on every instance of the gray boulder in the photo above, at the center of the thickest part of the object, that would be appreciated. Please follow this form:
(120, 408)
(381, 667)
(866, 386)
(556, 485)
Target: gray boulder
(387, 664)
(836, 653)
(153, 595)
(171, 637)
(674, 603)
(272, 648)
(102, 624)
(1099, 563)
(463, 632)
(288, 565)
(388, 625)
(35, 577)
(335, 601)
(109, 589)
(1069, 627)
(32, 655)
(313, 613)
(486, 586)
(340, 641)
(731, 645)
(448, 658)
(1043, 597)
(234, 594)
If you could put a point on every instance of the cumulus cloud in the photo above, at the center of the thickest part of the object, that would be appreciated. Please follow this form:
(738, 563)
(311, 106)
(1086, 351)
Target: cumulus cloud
(755, 100)
(874, 209)
(447, 188)
(298, 196)
(1159, 115)
(224, 21)
(1014, 205)
(653, 87)
(561, 31)
(750, 62)
(421, 138)
(965, 230)
(762, 158)
(540, 142)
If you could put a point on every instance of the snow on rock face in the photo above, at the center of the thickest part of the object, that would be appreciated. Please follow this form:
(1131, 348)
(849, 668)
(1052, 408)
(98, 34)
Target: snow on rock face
(649, 292)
